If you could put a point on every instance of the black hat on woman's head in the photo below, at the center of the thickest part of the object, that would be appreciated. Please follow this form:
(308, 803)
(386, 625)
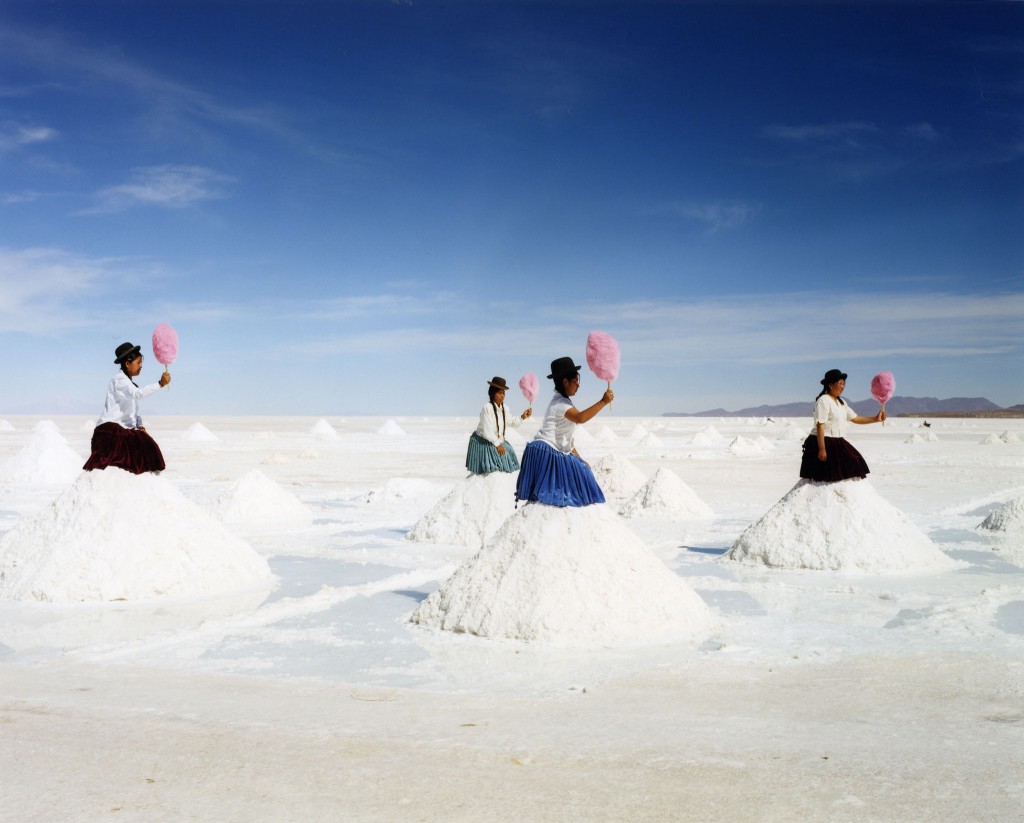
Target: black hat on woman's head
(498, 383)
(833, 376)
(126, 351)
(563, 367)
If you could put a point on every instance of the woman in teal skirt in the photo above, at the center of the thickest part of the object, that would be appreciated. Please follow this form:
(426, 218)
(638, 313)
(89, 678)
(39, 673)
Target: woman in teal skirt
(488, 450)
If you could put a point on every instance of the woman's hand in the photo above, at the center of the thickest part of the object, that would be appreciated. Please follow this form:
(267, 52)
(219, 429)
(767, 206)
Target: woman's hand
(501, 450)
(165, 379)
(608, 396)
(880, 417)
(822, 456)
(526, 413)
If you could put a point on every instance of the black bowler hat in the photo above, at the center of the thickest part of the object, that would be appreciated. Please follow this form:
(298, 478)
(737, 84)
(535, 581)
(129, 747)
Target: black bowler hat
(833, 376)
(563, 367)
(498, 383)
(125, 352)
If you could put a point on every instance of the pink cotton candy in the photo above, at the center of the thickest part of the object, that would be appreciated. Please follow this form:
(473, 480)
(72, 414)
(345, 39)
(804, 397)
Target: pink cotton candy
(528, 384)
(603, 355)
(883, 385)
(165, 344)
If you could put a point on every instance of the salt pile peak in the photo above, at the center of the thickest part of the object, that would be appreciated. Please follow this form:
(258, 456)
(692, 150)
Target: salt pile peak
(666, 495)
(117, 536)
(391, 429)
(257, 501)
(567, 576)
(844, 526)
(617, 476)
(324, 430)
(198, 433)
(470, 513)
(1008, 518)
(46, 459)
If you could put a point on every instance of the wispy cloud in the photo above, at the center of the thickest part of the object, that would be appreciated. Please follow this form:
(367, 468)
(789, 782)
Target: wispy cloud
(173, 187)
(720, 216)
(16, 135)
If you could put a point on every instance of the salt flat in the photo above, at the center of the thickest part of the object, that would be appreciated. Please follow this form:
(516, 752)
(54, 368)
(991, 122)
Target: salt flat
(815, 695)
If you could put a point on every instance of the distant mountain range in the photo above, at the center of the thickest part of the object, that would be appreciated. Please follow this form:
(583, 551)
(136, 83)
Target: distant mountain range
(896, 406)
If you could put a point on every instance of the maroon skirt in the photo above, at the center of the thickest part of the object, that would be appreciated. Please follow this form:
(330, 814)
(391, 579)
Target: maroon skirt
(130, 449)
(842, 461)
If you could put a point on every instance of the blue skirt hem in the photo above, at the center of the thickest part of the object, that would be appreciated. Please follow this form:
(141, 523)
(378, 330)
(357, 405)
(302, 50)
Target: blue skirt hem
(556, 479)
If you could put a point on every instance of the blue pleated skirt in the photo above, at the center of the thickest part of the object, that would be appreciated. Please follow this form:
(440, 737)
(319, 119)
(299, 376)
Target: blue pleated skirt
(556, 479)
(483, 458)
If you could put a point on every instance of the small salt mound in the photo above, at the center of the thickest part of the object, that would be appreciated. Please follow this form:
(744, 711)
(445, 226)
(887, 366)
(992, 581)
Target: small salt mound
(915, 438)
(843, 526)
(708, 435)
(1007, 518)
(638, 432)
(198, 433)
(324, 430)
(402, 488)
(1009, 437)
(702, 439)
(992, 438)
(617, 476)
(470, 513)
(5, 426)
(746, 447)
(92, 545)
(566, 576)
(581, 437)
(606, 435)
(650, 441)
(89, 426)
(792, 432)
(45, 459)
(391, 429)
(276, 459)
(515, 439)
(46, 427)
(309, 454)
(765, 444)
(666, 495)
(256, 501)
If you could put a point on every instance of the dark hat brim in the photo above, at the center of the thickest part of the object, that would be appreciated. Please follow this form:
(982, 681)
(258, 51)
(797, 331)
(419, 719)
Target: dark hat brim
(128, 355)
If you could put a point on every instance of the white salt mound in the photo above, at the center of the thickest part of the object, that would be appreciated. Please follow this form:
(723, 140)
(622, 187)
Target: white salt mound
(5, 426)
(391, 429)
(606, 435)
(89, 545)
(992, 438)
(566, 576)
(616, 476)
(745, 446)
(792, 432)
(46, 427)
(45, 459)
(515, 439)
(324, 430)
(638, 432)
(89, 426)
(708, 436)
(843, 526)
(198, 433)
(256, 501)
(666, 495)
(470, 513)
(1007, 518)
(1009, 437)
(650, 441)
(581, 437)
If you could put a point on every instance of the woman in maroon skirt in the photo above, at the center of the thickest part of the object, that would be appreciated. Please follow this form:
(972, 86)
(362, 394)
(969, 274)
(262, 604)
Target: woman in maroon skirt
(828, 458)
(119, 438)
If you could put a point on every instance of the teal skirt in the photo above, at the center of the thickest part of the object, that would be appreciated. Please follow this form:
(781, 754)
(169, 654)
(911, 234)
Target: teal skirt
(482, 457)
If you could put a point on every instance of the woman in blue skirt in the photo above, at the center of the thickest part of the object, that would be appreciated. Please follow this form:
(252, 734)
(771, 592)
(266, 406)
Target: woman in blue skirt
(488, 450)
(552, 471)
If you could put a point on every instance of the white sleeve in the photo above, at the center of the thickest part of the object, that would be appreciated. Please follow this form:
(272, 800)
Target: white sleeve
(488, 428)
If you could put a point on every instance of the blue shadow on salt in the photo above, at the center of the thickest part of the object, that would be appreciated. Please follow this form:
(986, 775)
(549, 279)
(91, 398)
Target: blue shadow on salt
(303, 576)
(982, 562)
(732, 602)
(1010, 617)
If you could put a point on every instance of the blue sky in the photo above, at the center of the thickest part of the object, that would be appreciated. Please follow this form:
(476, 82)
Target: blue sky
(373, 207)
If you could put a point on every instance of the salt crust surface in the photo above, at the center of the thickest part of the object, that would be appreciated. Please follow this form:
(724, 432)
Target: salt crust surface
(89, 546)
(257, 501)
(45, 459)
(1007, 518)
(470, 513)
(567, 576)
(843, 526)
(198, 433)
(666, 495)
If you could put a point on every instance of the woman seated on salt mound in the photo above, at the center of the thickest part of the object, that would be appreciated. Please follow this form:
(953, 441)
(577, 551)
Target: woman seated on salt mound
(488, 450)
(119, 439)
(828, 457)
(553, 472)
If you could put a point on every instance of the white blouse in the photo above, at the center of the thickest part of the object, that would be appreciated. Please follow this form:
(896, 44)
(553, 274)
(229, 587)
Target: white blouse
(828, 411)
(557, 430)
(122, 404)
(494, 422)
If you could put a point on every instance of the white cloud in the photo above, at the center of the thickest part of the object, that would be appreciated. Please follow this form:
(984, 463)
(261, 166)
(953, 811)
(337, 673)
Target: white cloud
(718, 216)
(169, 186)
(15, 135)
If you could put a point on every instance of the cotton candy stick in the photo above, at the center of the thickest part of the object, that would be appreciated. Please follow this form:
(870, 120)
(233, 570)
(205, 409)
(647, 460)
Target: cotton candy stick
(165, 345)
(603, 356)
(883, 385)
(528, 385)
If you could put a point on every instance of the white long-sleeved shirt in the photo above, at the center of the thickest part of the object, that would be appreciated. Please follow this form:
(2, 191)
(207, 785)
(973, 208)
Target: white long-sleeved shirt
(492, 427)
(122, 403)
(557, 430)
(828, 411)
